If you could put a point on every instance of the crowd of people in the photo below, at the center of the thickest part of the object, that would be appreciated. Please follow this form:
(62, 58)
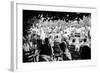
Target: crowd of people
(60, 42)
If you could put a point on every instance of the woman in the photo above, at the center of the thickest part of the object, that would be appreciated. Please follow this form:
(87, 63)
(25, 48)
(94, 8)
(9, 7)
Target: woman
(45, 51)
(57, 51)
(66, 53)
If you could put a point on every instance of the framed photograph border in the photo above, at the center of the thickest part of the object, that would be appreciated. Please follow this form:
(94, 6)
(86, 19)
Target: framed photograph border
(15, 65)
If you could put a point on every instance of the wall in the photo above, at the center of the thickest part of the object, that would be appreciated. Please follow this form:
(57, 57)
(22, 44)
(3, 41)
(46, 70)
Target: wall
(5, 33)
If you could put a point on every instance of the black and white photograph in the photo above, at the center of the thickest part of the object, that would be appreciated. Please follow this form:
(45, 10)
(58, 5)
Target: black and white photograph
(55, 36)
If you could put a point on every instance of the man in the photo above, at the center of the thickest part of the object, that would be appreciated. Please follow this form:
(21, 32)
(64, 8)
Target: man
(45, 51)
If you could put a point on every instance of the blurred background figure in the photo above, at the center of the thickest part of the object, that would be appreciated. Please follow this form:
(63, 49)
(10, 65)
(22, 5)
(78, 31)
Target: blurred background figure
(45, 51)
(65, 50)
(85, 52)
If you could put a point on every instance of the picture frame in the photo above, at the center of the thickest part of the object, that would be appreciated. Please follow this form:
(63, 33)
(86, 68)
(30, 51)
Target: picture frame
(17, 20)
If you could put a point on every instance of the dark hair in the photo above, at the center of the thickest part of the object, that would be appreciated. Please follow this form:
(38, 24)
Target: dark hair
(46, 40)
(39, 41)
(85, 39)
(85, 52)
(73, 40)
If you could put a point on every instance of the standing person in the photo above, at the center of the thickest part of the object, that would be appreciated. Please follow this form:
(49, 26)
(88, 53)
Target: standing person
(66, 53)
(45, 51)
(75, 55)
(57, 51)
(39, 46)
(28, 51)
(46, 47)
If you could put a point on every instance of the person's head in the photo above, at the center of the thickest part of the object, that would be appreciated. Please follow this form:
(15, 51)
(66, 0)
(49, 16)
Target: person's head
(85, 52)
(72, 48)
(85, 40)
(39, 41)
(38, 36)
(56, 43)
(47, 40)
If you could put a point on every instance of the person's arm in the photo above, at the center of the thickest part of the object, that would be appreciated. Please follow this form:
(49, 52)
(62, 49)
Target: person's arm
(68, 54)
